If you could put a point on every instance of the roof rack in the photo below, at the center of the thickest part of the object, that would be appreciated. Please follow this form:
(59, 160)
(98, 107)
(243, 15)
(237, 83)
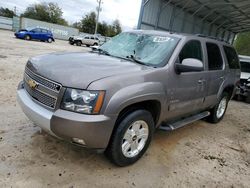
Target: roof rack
(211, 37)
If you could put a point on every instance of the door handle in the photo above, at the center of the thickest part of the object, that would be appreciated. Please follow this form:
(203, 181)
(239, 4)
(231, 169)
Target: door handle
(200, 81)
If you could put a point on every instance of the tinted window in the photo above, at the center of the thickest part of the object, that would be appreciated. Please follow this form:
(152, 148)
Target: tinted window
(215, 61)
(245, 66)
(232, 58)
(96, 39)
(86, 37)
(191, 50)
(92, 38)
(36, 30)
(44, 31)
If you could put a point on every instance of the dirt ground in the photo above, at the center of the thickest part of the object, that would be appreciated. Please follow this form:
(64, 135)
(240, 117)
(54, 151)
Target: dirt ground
(198, 155)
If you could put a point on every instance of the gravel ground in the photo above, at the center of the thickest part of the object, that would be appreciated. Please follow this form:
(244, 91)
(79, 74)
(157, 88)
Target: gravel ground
(198, 155)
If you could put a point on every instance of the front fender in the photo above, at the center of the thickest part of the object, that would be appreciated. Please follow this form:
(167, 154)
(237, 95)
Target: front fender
(133, 94)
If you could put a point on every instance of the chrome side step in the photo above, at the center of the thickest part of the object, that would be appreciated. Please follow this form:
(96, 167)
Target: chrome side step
(183, 122)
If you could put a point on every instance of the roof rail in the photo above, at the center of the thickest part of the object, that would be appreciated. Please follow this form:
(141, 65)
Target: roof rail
(211, 37)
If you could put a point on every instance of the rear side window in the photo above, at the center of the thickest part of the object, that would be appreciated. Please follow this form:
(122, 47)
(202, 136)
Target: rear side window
(245, 66)
(86, 37)
(192, 49)
(215, 61)
(44, 31)
(92, 38)
(232, 57)
(36, 30)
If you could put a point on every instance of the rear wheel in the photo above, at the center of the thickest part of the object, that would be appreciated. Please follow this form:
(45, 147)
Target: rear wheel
(27, 37)
(248, 98)
(50, 40)
(218, 112)
(131, 138)
(95, 44)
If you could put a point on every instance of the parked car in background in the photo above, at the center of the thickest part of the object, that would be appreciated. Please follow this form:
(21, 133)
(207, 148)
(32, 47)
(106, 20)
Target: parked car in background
(243, 91)
(88, 40)
(35, 34)
(74, 37)
(112, 99)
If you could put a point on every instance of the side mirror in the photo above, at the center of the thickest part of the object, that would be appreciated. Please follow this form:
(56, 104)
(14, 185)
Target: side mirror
(189, 65)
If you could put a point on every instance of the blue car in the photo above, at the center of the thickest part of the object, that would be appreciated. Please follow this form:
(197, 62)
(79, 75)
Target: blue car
(35, 34)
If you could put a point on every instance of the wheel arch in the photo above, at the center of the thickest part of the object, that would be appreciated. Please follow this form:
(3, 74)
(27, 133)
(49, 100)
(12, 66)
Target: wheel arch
(229, 89)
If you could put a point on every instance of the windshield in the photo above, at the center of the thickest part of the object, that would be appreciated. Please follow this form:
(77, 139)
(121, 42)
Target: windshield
(148, 49)
(245, 66)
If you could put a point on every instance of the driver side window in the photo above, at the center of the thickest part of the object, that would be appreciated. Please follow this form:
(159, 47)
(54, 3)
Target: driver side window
(192, 49)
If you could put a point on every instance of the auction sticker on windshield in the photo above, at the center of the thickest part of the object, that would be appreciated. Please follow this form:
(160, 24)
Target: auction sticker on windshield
(161, 39)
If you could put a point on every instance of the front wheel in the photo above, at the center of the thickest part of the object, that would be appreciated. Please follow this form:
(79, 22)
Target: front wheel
(218, 112)
(27, 37)
(78, 43)
(131, 138)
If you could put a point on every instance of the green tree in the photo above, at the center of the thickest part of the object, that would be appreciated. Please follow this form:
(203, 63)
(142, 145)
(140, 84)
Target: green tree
(117, 26)
(7, 12)
(48, 12)
(242, 43)
(88, 23)
(103, 28)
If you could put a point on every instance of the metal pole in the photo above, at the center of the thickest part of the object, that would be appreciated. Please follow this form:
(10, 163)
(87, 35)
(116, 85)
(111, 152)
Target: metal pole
(98, 13)
(15, 12)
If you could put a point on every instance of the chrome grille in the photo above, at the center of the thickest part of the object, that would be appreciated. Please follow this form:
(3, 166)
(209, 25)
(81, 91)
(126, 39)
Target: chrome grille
(44, 81)
(44, 91)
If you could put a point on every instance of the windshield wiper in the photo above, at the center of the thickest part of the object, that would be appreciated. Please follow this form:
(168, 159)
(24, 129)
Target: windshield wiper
(132, 57)
(101, 51)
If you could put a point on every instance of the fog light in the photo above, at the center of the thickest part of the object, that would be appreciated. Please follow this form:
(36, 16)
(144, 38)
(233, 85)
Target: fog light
(79, 141)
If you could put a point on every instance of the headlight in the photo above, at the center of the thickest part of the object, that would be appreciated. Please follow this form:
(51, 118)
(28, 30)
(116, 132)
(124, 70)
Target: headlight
(82, 101)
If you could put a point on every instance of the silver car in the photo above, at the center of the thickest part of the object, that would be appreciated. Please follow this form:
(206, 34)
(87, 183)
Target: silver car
(113, 98)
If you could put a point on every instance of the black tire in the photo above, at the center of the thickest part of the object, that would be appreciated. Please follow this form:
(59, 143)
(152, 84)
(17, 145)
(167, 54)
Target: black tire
(114, 150)
(95, 44)
(248, 98)
(78, 43)
(27, 37)
(213, 118)
(87, 45)
(50, 40)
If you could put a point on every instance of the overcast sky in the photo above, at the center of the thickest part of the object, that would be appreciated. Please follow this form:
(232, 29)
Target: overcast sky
(127, 11)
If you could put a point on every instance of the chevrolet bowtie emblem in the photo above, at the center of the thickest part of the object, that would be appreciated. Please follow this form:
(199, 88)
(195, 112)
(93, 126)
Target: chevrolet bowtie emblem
(32, 84)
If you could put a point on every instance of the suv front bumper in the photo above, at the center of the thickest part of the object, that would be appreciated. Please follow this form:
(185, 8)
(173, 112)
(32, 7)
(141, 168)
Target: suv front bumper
(95, 130)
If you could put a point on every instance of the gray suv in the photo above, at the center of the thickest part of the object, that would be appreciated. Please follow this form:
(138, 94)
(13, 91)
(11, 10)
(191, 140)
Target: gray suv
(112, 99)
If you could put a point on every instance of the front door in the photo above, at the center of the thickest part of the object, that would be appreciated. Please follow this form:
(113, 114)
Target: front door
(36, 33)
(187, 91)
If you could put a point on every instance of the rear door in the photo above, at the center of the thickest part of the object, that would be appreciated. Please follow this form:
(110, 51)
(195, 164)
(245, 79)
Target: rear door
(187, 91)
(44, 34)
(92, 41)
(217, 73)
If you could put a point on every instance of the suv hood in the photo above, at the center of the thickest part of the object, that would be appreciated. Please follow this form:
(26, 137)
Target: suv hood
(78, 70)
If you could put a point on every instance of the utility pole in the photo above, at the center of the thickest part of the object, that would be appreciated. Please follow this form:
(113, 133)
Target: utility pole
(15, 12)
(98, 13)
